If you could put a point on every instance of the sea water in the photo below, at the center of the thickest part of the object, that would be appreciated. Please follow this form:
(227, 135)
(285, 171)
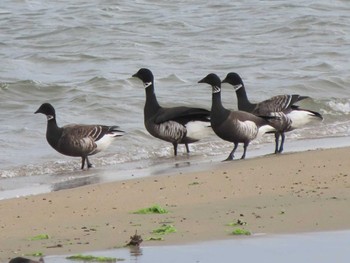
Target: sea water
(80, 56)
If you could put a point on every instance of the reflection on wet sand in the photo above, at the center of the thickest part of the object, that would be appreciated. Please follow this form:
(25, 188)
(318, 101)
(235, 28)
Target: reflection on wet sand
(75, 182)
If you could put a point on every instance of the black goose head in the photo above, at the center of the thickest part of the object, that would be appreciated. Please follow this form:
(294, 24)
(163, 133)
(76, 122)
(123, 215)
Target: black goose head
(213, 80)
(235, 80)
(145, 75)
(48, 110)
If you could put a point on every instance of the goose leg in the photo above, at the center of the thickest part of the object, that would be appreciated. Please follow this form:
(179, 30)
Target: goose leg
(282, 143)
(245, 146)
(82, 162)
(277, 136)
(232, 154)
(187, 149)
(175, 148)
(89, 165)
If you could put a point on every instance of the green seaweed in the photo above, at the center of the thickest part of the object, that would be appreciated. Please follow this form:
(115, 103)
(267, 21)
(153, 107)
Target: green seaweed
(240, 232)
(40, 237)
(155, 209)
(164, 229)
(90, 258)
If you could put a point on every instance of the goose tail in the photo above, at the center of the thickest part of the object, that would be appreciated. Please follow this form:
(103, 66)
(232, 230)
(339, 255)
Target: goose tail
(197, 130)
(114, 131)
(302, 117)
(265, 129)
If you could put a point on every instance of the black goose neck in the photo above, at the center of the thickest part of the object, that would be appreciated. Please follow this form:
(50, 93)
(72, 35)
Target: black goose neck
(243, 101)
(218, 112)
(151, 105)
(217, 104)
(53, 132)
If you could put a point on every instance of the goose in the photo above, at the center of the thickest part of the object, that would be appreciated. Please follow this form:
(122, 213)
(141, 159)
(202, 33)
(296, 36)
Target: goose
(233, 126)
(290, 116)
(177, 125)
(77, 139)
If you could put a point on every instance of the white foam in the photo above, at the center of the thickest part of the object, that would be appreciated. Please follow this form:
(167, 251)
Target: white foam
(342, 107)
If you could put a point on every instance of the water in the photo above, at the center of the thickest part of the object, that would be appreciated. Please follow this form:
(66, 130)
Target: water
(80, 55)
(309, 247)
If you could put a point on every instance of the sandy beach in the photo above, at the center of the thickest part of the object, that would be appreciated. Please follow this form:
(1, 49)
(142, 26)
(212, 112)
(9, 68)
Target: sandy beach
(288, 193)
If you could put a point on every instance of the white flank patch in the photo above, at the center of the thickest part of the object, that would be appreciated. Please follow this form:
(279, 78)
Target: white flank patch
(300, 118)
(198, 129)
(248, 128)
(104, 142)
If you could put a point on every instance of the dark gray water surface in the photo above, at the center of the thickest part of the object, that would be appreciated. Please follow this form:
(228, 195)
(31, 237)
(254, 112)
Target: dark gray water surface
(321, 247)
(80, 55)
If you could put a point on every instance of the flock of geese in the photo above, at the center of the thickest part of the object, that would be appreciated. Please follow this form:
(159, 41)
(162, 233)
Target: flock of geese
(185, 125)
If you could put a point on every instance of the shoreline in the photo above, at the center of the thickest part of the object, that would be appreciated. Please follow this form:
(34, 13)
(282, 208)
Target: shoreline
(293, 192)
(19, 186)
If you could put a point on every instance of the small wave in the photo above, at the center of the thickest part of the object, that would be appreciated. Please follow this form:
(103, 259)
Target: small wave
(97, 81)
(56, 32)
(3, 86)
(335, 107)
(319, 66)
(35, 169)
(173, 78)
(340, 107)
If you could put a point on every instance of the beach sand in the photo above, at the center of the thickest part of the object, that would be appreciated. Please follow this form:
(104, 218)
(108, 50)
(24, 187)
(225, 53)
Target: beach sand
(288, 193)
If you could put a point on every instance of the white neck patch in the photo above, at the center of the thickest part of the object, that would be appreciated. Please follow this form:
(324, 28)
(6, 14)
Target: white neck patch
(237, 87)
(147, 84)
(50, 117)
(216, 89)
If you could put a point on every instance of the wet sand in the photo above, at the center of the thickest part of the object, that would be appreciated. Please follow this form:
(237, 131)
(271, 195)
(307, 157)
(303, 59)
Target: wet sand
(289, 193)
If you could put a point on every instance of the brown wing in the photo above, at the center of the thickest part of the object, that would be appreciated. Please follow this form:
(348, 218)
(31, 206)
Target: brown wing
(79, 140)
